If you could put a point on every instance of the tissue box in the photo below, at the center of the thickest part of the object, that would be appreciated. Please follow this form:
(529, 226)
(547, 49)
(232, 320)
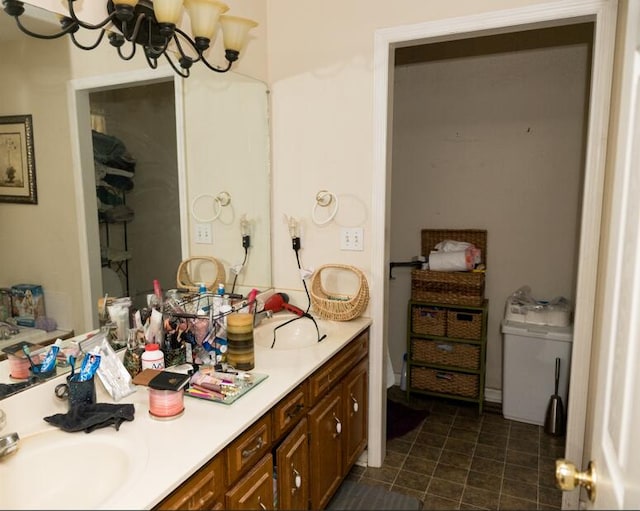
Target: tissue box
(27, 303)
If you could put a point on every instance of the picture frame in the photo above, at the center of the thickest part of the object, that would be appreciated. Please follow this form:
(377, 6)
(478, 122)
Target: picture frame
(17, 160)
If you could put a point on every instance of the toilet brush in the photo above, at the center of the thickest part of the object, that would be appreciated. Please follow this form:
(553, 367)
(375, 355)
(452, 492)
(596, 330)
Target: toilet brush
(554, 422)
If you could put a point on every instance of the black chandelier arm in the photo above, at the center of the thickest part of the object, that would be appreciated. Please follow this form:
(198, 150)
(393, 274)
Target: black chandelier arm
(71, 27)
(214, 68)
(83, 24)
(136, 28)
(184, 72)
(152, 61)
(85, 47)
(127, 57)
(185, 60)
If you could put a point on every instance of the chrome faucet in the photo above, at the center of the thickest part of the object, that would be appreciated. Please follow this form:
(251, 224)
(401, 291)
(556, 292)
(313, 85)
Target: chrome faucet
(8, 444)
(258, 317)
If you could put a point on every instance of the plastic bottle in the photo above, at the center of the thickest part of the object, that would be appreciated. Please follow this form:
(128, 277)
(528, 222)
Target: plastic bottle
(403, 374)
(152, 358)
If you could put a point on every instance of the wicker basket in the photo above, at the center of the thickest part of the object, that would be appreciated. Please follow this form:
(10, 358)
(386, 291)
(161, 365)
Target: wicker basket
(428, 320)
(209, 270)
(334, 306)
(464, 324)
(452, 354)
(463, 288)
(433, 380)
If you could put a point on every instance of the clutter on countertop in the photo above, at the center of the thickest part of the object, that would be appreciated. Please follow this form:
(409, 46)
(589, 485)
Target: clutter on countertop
(522, 307)
(89, 417)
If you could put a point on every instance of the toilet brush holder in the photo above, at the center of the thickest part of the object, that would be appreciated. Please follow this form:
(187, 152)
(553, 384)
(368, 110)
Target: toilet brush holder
(555, 421)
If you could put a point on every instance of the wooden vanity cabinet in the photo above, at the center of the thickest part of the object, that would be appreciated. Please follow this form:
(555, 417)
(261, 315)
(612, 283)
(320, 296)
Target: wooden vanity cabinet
(205, 490)
(313, 435)
(255, 489)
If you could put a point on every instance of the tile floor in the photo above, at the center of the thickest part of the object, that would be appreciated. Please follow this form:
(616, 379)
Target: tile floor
(457, 459)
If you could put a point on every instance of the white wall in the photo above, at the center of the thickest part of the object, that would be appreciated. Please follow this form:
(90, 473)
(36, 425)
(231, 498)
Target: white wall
(492, 142)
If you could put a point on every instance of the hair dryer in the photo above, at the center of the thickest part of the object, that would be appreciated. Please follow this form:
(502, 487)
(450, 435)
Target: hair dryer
(280, 301)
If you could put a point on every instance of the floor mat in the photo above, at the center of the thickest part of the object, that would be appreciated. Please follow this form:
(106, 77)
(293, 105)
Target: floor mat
(355, 495)
(403, 416)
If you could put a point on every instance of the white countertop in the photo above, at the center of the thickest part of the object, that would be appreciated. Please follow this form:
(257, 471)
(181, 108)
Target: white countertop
(33, 335)
(177, 448)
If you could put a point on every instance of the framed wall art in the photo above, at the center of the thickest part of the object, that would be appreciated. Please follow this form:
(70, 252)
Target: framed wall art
(17, 161)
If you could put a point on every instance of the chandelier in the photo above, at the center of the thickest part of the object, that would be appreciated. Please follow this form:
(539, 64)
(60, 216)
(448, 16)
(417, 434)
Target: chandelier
(153, 25)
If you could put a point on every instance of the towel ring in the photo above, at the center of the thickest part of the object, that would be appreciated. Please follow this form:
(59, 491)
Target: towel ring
(221, 200)
(324, 198)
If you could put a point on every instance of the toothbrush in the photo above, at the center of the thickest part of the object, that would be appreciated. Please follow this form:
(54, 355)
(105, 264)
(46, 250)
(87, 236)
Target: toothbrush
(27, 352)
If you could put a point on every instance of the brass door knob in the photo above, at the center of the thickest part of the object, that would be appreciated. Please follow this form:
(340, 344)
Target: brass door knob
(568, 477)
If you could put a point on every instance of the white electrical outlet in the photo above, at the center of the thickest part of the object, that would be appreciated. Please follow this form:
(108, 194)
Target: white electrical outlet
(351, 239)
(203, 233)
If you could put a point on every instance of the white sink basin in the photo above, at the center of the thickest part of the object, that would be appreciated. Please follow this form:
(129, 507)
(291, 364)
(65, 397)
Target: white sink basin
(298, 334)
(59, 470)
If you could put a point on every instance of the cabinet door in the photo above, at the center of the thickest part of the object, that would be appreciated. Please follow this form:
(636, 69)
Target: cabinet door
(255, 490)
(292, 460)
(326, 421)
(355, 386)
(204, 490)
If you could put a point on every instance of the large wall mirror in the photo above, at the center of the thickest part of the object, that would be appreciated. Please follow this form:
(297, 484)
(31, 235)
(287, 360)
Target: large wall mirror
(191, 140)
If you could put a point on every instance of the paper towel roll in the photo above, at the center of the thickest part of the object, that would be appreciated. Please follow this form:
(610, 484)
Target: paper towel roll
(450, 261)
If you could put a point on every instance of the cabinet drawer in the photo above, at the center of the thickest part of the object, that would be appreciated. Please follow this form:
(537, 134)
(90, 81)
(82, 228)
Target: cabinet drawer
(255, 490)
(289, 410)
(445, 382)
(329, 374)
(248, 448)
(439, 352)
(202, 491)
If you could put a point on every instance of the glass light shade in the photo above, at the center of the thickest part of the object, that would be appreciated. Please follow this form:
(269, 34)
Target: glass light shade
(167, 11)
(235, 31)
(204, 15)
(132, 3)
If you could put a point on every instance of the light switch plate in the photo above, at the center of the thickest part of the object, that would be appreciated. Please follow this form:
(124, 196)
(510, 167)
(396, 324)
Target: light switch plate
(203, 233)
(352, 238)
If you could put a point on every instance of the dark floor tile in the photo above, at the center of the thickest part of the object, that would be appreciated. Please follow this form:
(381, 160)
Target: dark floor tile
(439, 417)
(457, 445)
(464, 505)
(444, 407)
(431, 439)
(457, 459)
(499, 429)
(445, 489)
(520, 473)
(410, 436)
(522, 458)
(546, 478)
(499, 441)
(513, 503)
(487, 466)
(439, 428)
(419, 464)
(387, 475)
(524, 445)
(488, 451)
(450, 473)
(425, 451)
(520, 489)
(399, 446)
(495, 418)
(463, 434)
(473, 423)
(394, 459)
(413, 480)
(481, 498)
(550, 496)
(484, 481)
(436, 502)
(520, 433)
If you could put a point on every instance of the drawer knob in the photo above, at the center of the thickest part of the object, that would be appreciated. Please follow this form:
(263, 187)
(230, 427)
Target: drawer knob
(248, 452)
(355, 404)
(338, 426)
(297, 481)
(262, 506)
